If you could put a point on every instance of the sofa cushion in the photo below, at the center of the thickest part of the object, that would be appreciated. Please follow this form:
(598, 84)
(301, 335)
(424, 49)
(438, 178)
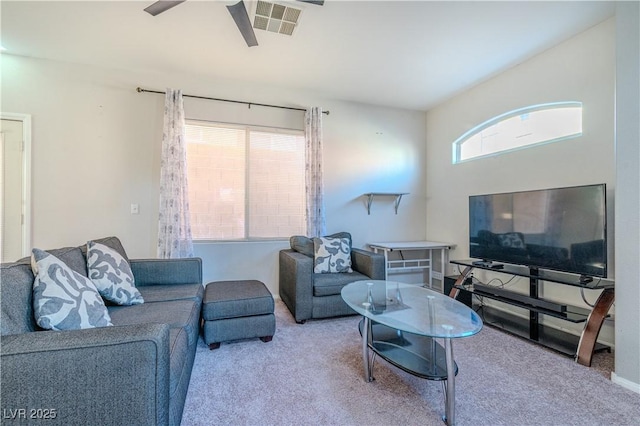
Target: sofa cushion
(73, 257)
(331, 255)
(487, 238)
(167, 292)
(62, 298)
(176, 313)
(16, 292)
(302, 244)
(234, 299)
(111, 274)
(331, 284)
(156, 272)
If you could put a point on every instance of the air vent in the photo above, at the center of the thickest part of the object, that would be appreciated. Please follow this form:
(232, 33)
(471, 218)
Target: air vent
(276, 18)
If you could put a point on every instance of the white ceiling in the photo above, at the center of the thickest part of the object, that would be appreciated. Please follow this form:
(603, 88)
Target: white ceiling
(411, 54)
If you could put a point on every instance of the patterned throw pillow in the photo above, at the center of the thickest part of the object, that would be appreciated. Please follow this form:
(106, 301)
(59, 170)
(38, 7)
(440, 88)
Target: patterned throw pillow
(111, 274)
(304, 245)
(62, 298)
(331, 255)
(511, 239)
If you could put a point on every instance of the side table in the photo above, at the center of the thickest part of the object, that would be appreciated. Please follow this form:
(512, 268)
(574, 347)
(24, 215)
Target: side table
(415, 264)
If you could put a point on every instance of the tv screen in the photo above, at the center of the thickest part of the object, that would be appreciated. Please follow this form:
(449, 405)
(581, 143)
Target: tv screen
(563, 229)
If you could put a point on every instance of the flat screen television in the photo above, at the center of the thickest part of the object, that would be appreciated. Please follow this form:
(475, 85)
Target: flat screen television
(562, 229)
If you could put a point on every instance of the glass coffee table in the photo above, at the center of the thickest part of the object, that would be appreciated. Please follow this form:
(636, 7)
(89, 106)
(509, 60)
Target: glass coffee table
(401, 323)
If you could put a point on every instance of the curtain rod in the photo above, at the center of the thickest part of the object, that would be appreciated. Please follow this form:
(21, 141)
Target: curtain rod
(141, 90)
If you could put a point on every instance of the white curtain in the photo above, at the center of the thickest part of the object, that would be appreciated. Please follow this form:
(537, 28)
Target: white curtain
(314, 186)
(174, 227)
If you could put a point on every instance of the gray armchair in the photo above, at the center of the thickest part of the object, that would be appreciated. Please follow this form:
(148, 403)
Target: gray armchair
(309, 295)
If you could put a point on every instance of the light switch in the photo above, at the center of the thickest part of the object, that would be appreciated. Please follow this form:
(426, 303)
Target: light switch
(135, 209)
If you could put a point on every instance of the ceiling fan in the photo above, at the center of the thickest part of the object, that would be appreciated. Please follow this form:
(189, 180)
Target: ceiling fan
(268, 16)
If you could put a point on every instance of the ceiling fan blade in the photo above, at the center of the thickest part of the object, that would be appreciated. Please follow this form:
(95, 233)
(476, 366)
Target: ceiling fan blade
(239, 14)
(161, 6)
(318, 2)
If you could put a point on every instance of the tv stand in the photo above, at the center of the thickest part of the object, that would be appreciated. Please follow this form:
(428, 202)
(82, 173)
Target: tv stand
(488, 264)
(498, 293)
(580, 348)
(585, 279)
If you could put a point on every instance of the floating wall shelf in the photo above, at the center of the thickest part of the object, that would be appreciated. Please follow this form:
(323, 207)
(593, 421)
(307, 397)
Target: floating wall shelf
(371, 195)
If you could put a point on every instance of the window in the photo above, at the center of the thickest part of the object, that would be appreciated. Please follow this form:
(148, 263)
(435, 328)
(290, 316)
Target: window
(524, 127)
(245, 182)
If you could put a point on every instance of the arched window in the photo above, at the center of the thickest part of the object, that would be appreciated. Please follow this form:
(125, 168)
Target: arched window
(520, 128)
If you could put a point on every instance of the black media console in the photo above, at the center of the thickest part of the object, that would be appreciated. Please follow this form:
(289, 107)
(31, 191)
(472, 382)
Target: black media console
(502, 294)
(581, 348)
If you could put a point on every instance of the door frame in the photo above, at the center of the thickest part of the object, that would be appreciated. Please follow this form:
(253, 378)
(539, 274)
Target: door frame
(26, 176)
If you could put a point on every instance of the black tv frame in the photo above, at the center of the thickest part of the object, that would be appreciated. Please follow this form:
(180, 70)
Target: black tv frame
(488, 258)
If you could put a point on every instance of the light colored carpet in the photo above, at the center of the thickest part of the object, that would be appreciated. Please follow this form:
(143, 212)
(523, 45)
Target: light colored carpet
(312, 374)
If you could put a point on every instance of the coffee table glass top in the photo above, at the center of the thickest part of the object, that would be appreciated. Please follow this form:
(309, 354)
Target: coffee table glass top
(411, 308)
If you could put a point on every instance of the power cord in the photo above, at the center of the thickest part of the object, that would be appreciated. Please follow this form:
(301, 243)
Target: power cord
(584, 299)
(502, 284)
(592, 305)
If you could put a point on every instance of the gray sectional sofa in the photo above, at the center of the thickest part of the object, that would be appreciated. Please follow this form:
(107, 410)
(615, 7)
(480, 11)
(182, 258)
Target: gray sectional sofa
(134, 373)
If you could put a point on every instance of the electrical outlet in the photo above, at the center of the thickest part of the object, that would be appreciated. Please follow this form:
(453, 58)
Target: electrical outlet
(454, 270)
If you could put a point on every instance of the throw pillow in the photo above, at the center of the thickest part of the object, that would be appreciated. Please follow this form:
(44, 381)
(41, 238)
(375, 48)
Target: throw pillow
(341, 235)
(62, 298)
(304, 245)
(111, 274)
(512, 239)
(331, 255)
(111, 242)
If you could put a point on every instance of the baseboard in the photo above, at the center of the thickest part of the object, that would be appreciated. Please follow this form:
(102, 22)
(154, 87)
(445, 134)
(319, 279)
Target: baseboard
(627, 384)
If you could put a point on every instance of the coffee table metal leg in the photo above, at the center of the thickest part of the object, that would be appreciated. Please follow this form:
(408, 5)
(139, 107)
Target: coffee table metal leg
(366, 359)
(450, 399)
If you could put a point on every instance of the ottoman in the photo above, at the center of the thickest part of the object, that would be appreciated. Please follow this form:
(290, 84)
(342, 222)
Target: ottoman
(233, 310)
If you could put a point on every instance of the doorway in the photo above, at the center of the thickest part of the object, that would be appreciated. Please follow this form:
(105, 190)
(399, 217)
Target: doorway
(15, 186)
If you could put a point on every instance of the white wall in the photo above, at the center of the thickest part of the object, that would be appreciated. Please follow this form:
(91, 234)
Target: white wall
(96, 148)
(580, 69)
(628, 190)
